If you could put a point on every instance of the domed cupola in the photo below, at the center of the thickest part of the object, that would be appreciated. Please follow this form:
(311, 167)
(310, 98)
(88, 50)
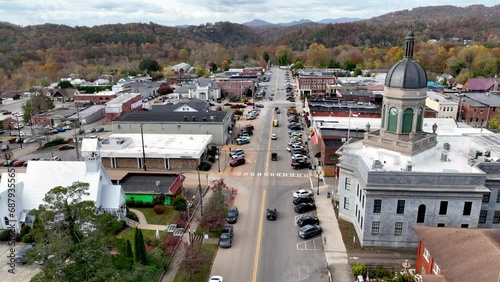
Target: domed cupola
(407, 73)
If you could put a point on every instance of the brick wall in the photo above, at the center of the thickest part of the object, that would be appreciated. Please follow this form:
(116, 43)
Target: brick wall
(183, 163)
(126, 163)
(155, 163)
(106, 162)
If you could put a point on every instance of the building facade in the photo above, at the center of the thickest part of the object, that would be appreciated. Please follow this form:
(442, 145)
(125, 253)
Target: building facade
(125, 103)
(478, 109)
(100, 98)
(400, 176)
(314, 83)
(444, 105)
(217, 124)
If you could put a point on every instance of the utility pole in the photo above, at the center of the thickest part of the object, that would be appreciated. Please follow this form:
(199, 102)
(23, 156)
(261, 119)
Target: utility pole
(74, 129)
(143, 150)
(19, 131)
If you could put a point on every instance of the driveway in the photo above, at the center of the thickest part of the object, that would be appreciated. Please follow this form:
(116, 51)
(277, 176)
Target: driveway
(22, 273)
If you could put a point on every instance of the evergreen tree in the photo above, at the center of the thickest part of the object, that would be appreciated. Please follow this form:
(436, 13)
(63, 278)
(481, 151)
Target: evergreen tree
(128, 252)
(140, 248)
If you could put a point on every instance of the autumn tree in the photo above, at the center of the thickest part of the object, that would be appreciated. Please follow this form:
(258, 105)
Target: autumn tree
(64, 84)
(149, 65)
(283, 55)
(224, 65)
(36, 105)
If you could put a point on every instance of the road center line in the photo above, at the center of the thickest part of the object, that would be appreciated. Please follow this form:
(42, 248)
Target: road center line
(259, 238)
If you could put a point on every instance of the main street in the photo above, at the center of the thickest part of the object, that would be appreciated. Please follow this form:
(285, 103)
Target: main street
(269, 250)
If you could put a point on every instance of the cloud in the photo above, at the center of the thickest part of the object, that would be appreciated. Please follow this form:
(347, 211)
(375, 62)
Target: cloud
(195, 12)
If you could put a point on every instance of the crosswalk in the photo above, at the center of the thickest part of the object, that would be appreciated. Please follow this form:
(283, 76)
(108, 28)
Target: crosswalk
(272, 174)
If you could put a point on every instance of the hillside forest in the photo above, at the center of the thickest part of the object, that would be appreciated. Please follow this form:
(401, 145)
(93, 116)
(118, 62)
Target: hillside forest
(41, 54)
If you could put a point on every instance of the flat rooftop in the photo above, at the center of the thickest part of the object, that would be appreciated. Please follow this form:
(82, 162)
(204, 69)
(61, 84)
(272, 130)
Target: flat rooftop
(184, 146)
(446, 126)
(430, 160)
(119, 100)
(143, 183)
(87, 112)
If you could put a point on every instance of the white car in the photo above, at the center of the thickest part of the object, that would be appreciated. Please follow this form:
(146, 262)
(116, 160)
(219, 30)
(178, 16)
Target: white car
(299, 156)
(295, 133)
(250, 117)
(236, 152)
(302, 193)
(295, 146)
(216, 278)
(238, 155)
(274, 136)
(294, 142)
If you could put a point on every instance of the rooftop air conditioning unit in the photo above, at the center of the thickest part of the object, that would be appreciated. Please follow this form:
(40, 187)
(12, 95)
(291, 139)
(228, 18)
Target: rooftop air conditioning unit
(409, 166)
(377, 164)
(446, 146)
(212, 118)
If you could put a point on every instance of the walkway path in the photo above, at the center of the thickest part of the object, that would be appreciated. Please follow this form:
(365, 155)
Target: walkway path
(143, 223)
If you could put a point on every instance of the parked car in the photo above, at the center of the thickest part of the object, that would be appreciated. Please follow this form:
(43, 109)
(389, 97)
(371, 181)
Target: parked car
(248, 127)
(243, 134)
(304, 207)
(241, 141)
(248, 132)
(100, 129)
(18, 163)
(238, 155)
(237, 162)
(307, 220)
(55, 158)
(259, 105)
(302, 192)
(232, 215)
(216, 278)
(236, 152)
(295, 146)
(90, 130)
(300, 165)
(303, 199)
(271, 214)
(9, 162)
(226, 237)
(298, 151)
(250, 117)
(308, 231)
(5, 147)
(21, 255)
(66, 147)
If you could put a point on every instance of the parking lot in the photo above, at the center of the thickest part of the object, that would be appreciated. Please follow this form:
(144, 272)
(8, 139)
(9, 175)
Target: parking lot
(22, 273)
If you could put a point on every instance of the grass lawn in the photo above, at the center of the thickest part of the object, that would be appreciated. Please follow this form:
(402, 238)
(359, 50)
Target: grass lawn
(209, 251)
(129, 235)
(164, 219)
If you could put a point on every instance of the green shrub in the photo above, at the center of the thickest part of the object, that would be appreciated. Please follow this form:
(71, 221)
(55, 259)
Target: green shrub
(130, 203)
(359, 269)
(29, 238)
(25, 230)
(238, 112)
(55, 142)
(6, 235)
(160, 209)
(205, 166)
(132, 216)
(159, 199)
(179, 203)
(139, 204)
(380, 272)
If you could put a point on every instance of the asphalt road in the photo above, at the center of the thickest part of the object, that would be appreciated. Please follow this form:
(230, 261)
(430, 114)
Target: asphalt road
(269, 250)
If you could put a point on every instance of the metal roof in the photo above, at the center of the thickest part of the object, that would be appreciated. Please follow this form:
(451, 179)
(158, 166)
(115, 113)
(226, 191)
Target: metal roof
(158, 116)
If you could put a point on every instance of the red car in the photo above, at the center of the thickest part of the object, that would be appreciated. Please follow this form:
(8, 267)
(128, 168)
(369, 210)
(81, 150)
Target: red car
(66, 147)
(18, 163)
(237, 162)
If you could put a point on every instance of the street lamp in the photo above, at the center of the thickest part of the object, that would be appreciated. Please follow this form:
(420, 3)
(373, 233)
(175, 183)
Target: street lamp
(217, 157)
(318, 173)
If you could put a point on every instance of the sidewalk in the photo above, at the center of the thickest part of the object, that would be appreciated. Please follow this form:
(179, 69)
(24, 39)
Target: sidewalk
(335, 251)
(179, 254)
(143, 223)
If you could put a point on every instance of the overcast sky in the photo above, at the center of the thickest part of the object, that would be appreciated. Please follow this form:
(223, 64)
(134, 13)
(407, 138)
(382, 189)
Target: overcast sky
(196, 12)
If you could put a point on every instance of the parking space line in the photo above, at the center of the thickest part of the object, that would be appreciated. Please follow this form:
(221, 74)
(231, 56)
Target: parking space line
(306, 268)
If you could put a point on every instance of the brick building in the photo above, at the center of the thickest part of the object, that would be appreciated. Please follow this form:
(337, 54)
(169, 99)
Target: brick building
(457, 254)
(100, 98)
(314, 83)
(125, 103)
(478, 109)
(158, 151)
